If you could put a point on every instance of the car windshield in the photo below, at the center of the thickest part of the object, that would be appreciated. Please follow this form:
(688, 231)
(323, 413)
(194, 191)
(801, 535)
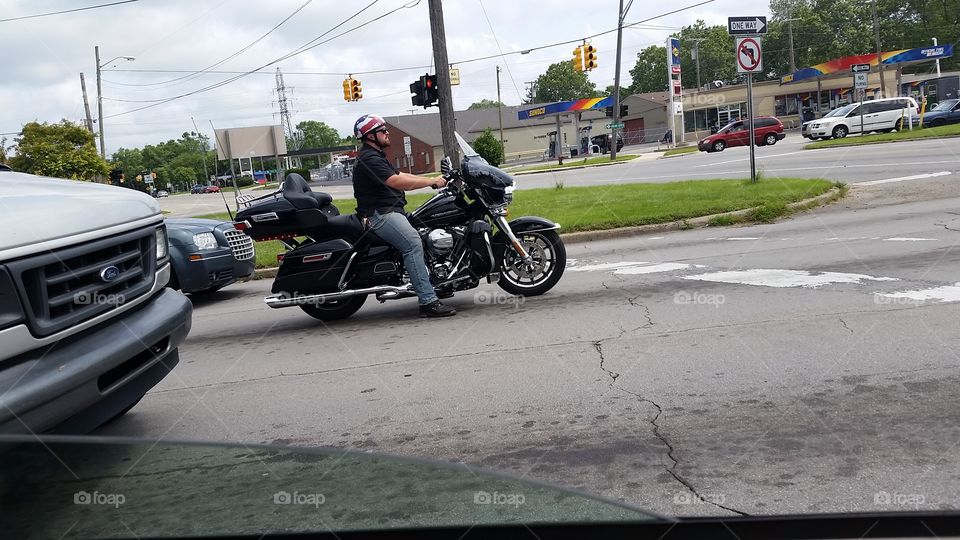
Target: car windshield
(598, 298)
(947, 105)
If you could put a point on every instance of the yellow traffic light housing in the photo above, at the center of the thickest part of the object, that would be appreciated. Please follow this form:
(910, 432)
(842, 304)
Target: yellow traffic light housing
(356, 91)
(578, 59)
(346, 89)
(590, 60)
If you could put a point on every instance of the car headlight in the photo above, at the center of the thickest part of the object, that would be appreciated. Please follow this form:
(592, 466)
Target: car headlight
(162, 246)
(205, 240)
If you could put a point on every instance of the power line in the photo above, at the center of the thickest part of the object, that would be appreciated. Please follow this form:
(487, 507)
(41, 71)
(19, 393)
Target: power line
(497, 41)
(66, 11)
(232, 56)
(295, 52)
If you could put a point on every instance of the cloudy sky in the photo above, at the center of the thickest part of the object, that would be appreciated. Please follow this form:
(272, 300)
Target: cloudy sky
(44, 56)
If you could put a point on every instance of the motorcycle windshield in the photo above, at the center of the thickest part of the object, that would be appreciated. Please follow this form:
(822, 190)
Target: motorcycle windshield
(467, 150)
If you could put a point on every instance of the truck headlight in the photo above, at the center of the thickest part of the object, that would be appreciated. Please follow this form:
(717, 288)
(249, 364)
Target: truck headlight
(205, 240)
(162, 246)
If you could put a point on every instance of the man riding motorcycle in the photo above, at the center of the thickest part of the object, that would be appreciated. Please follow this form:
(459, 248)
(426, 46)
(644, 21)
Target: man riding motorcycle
(378, 188)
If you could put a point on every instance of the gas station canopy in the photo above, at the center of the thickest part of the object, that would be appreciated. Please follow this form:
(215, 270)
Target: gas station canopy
(841, 66)
(563, 107)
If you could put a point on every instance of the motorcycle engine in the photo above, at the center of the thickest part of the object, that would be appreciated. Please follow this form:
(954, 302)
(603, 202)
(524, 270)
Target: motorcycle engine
(439, 242)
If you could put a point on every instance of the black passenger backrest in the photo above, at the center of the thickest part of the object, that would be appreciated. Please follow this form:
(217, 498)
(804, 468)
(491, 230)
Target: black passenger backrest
(298, 192)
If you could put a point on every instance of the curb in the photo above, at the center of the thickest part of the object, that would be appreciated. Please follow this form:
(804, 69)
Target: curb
(626, 232)
(878, 142)
(573, 168)
(679, 155)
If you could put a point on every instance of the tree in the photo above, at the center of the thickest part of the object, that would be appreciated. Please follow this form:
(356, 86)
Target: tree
(318, 135)
(485, 104)
(489, 147)
(562, 83)
(64, 150)
(624, 91)
(650, 72)
(3, 149)
(717, 57)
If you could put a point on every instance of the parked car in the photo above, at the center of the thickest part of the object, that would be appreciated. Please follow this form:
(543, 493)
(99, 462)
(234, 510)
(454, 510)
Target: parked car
(603, 141)
(805, 128)
(4, 167)
(162, 193)
(767, 131)
(87, 324)
(198, 188)
(945, 112)
(207, 255)
(883, 115)
(212, 189)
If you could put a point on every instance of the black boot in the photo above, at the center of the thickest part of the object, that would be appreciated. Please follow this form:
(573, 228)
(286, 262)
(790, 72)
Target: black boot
(436, 309)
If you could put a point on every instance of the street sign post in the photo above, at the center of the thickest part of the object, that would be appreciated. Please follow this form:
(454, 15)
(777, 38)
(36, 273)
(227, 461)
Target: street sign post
(615, 125)
(860, 68)
(860, 81)
(747, 26)
(750, 60)
(860, 73)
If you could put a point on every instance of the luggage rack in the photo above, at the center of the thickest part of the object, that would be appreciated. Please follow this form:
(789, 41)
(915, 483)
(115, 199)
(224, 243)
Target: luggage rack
(248, 200)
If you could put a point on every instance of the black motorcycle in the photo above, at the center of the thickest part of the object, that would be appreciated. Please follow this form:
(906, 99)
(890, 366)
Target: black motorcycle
(333, 263)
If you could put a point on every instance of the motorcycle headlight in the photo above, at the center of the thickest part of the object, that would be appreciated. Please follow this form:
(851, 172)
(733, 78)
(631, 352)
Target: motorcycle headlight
(205, 240)
(508, 194)
(162, 246)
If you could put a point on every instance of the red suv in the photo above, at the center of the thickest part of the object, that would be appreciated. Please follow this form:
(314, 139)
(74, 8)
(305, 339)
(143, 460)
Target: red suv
(768, 131)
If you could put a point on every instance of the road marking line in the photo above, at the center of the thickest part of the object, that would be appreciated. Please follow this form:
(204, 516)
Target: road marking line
(764, 277)
(903, 178)
(747, 159)
(652, 269)
(905, 239)
(744, 238)
(605, 266)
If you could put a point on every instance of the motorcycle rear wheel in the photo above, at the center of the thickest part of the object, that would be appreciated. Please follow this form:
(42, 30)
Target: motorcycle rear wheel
(549, 260)
(331, 311)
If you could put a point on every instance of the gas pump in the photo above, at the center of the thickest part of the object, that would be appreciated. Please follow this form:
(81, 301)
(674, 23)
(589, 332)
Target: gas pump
(584, 138)
(553, 146)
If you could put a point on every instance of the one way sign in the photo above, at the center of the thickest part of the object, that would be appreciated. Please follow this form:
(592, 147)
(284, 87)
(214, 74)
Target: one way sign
(747, 26)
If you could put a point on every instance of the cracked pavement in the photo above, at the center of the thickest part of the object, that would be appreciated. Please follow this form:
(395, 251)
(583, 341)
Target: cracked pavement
(754, 400)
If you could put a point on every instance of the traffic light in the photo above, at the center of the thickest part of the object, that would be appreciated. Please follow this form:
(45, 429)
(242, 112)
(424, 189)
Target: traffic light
(346, 89)
(578, 59)
(623, 111)
(356, 91)
(425, 91)
(590, 60)
(430, 90)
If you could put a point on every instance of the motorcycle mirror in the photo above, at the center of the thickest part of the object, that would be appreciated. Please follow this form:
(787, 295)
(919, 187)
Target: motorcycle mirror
(446, 165)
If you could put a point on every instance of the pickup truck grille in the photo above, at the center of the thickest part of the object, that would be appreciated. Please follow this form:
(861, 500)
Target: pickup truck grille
(240, 243)
(68, 286)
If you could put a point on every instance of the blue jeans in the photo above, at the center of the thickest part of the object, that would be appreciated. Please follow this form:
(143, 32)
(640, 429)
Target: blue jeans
(394, 229)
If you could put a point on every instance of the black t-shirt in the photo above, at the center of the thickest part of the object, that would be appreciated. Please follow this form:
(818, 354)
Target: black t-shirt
(370, 175)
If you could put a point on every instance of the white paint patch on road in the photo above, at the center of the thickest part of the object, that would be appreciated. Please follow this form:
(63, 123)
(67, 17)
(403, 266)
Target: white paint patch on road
(747, 159)
(605, 266)
(945, 293)
(744, 238)
(906, 239)
(652, 269)
(764, 277)
(903, 178)
(656, 238)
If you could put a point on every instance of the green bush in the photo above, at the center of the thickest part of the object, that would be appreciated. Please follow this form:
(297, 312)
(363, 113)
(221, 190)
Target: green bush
(489, 148)
(244, 181)
(305, 173)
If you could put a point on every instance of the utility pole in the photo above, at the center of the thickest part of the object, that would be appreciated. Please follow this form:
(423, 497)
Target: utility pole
(203, 145)
(934, 44)
(447, 120)
(616, 81)
(793, 63)
(876, 32)
(86, 103)
(500, 104)
(103, 151)
(696, 56)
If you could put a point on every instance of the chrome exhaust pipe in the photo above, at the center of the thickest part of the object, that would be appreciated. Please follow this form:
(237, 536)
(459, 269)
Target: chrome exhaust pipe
(282, 301)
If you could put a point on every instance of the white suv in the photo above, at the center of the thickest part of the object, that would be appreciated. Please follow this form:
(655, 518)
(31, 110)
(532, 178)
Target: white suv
(886, 114)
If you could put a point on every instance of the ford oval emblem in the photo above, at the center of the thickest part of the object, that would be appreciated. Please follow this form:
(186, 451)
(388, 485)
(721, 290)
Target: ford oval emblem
(109, 273)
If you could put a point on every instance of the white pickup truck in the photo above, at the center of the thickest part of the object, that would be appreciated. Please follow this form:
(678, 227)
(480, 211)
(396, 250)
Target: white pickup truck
(87, 325)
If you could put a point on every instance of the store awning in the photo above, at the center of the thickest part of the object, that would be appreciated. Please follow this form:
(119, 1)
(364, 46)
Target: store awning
(841, 66)
(565, 107)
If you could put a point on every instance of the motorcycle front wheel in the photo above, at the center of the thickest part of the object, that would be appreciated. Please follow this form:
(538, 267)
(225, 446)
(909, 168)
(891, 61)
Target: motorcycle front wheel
(548, 260)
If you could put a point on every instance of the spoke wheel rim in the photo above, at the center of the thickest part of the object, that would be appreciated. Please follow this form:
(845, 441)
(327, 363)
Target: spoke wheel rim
(544, 260)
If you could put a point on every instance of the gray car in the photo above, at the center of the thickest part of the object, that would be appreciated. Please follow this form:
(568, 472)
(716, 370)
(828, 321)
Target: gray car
(207, 255)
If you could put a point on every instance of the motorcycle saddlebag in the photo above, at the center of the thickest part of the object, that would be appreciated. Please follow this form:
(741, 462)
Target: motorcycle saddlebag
(313, 268)
(276, 216)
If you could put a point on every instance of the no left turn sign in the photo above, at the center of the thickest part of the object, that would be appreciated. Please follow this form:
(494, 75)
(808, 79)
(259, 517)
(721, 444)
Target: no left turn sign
(749, 55)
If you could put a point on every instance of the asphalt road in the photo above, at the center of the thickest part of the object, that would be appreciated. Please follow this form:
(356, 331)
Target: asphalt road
(885, 162)
(805, 366)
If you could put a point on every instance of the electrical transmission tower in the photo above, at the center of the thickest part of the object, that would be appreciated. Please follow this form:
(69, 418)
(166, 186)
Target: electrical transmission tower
(289, 129)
